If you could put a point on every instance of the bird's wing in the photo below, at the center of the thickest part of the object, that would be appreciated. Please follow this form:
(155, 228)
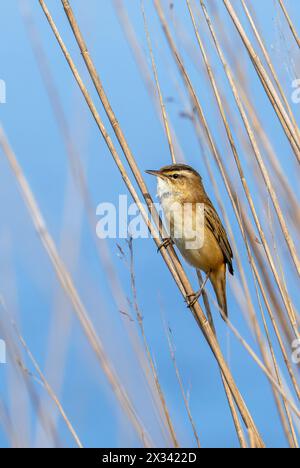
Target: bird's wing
(214, 223)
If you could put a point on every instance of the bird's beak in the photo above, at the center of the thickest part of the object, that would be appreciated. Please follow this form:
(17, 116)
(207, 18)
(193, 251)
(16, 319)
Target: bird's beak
(154, 173)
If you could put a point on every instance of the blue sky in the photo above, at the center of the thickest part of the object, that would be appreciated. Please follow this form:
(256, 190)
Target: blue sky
(27, 280)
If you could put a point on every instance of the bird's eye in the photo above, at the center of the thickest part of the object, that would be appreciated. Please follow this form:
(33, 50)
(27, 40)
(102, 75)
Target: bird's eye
(175, 176)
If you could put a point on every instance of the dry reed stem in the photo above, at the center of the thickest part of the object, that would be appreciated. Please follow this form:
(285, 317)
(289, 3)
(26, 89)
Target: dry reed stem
(142, 65)
(76, 165)
(244, 89)
(19, 408)
(264, 172)
(242, 176)
(290, 23)
(62, 318)
(231, 402)
(290, 433)
(234, 204)
(270, 65)
(180, 382)
(177, 272)
(209, 136)
(277, 256)
(226, 388)
(21, 370)
(6, 423)
(10, 422)
(78, 172)
(209, 70)
(287, 425)
(230, 399)
(162, 105)
(283, 185)
(69, 287)
(265, 370)
(252, 439)
(49, 390)
(266, 177)
(252, 263)
(97, 80)
(236, 421)
(117, 160)
(54, 364)
(230, 136)
(147, 348)
(235, 417)
(206, 303)
(266, 82)
(255, 326)
(271, 315)
(294, 441)
(259, 339)
(256, 248)
(261, 186)
(187, 80)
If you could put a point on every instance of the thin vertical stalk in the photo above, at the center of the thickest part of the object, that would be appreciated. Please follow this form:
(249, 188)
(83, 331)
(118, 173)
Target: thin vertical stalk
(266, 82)
(287, 424)
(162, 104)
(142, 65)
(147, 349)
(180, 382)
(287, 236)
(215, 152)
(49, 390)
(234, 414)
(253, 265)
(69, 287)
(290, 23)
(245, 185)
(103, 252)
(270, 65)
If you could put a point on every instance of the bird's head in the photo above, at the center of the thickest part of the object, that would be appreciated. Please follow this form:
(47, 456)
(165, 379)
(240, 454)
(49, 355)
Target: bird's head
(179, 179)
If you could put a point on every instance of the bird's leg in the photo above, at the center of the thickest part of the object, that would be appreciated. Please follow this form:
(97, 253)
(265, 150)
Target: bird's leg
(165, 243)
(191, 299)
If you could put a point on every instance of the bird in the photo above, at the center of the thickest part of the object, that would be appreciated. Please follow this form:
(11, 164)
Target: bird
(180, 186)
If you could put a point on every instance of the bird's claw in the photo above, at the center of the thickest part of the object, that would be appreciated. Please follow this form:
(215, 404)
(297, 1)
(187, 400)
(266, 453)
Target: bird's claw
(165, 243)
(191, 299)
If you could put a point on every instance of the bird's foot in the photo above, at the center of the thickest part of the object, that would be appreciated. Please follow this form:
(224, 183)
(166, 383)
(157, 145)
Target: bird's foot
(191, 299)
(165, 243)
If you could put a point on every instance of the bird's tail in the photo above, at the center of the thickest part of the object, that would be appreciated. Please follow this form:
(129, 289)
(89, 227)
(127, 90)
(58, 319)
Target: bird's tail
(218, 280)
